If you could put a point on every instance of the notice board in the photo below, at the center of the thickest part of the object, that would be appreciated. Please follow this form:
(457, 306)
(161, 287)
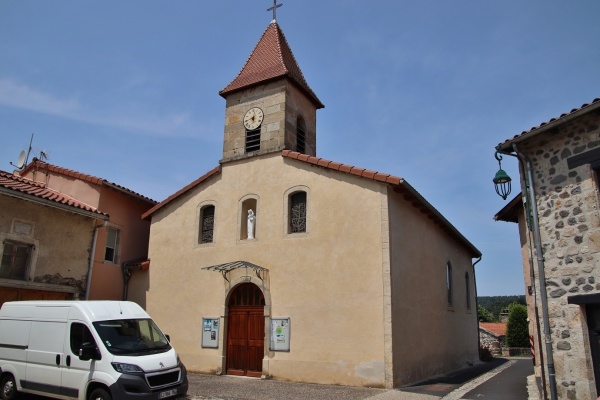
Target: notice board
(280, 334)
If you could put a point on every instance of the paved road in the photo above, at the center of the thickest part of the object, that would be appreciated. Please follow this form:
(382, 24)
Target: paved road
(500, 379)
(508, 384)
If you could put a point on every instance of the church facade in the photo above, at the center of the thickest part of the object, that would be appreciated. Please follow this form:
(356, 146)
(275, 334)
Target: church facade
(281, 264)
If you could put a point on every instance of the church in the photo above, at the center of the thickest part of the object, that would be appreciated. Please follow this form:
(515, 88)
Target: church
(283, 265)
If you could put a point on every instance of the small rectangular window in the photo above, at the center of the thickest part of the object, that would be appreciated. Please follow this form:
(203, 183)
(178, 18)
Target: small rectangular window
(112, 242)
(449, 283)
(298, 212)
(15, 260)
(207, 224)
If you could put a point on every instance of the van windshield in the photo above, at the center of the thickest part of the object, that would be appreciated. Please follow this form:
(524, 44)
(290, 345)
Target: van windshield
(132, 337)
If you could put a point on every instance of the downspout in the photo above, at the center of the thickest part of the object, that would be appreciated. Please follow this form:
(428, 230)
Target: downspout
(92, 255)
(541, 272)
(476, 304)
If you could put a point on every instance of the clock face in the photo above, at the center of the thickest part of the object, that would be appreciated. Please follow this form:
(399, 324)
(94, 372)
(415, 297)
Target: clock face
(253, 118)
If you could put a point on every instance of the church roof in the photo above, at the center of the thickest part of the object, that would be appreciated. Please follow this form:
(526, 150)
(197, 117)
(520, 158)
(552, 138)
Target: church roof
(271, 59)
(37, 192)
(399, 185)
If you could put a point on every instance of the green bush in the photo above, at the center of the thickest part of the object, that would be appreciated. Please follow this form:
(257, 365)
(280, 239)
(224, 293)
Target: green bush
(517, 329)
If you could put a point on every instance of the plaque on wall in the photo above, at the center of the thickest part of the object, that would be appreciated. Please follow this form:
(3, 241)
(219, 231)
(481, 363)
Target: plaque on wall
(280, 334)
(210, 332)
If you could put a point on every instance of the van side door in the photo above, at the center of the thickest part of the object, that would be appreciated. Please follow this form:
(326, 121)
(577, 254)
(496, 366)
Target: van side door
(76, 372)
(45, 356)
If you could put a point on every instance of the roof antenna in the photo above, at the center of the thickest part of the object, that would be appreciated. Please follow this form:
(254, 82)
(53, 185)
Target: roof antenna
(23, 157)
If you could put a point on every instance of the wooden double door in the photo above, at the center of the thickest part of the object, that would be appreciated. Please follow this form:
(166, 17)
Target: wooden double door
(246, 331)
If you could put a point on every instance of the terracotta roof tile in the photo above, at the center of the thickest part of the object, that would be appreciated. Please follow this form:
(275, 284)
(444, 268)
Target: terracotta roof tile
(497, 328)
(183, 190)
(584, 108)
(26, 188)
(271, 59)
(38, 164)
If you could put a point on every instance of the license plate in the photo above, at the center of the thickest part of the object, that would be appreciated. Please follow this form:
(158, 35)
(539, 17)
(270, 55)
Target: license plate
(168, 393)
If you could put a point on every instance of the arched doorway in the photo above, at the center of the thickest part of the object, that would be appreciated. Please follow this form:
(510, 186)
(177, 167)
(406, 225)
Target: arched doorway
(246, 331)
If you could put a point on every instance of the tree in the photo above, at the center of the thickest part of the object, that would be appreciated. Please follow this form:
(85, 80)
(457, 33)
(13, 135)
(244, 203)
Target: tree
(517, 329)
(483, 314)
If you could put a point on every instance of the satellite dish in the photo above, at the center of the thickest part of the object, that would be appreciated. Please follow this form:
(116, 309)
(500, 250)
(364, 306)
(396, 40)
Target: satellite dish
(21, 160)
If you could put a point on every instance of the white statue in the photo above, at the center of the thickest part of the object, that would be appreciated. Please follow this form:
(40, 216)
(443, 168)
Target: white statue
(251, 218)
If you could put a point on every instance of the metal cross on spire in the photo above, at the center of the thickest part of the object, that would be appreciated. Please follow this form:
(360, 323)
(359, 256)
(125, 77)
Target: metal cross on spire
(274, 9)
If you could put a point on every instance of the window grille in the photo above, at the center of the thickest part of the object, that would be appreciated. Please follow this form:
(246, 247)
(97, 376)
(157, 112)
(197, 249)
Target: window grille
(207, 224)
(300, 138)
(298, 212)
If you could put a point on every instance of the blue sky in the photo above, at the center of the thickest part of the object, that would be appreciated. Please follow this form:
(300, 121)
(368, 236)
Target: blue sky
(424, 90)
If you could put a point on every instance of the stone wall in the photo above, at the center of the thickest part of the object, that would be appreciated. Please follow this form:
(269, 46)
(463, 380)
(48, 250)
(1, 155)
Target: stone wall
(569, 222)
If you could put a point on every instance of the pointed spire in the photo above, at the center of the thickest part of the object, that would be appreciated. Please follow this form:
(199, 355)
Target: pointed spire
(271, 59)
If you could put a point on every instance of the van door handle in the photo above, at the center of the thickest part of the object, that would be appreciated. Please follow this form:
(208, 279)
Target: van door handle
(68, 361)
(58, 359)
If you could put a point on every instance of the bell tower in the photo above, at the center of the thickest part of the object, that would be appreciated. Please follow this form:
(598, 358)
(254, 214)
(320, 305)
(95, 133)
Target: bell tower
(269, 105)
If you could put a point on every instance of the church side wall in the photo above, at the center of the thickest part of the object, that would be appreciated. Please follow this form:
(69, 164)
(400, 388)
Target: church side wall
(328, 281)
(430, 336)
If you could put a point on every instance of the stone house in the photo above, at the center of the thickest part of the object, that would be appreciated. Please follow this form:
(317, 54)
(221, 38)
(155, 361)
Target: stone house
(120, 246)
(278, 263)
(45, 238)
(560, 245)
(492, 335)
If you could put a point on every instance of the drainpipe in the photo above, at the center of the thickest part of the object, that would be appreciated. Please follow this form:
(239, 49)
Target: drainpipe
(541, 272)
(476, 305)
(92, 255)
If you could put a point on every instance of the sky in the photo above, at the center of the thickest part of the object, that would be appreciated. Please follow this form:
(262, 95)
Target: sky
(424, 90)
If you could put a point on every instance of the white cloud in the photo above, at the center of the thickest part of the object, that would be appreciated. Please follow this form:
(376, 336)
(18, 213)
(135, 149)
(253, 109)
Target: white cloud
(18, 95)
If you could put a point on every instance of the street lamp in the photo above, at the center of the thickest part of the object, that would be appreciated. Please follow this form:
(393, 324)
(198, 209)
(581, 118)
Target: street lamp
(501, 180)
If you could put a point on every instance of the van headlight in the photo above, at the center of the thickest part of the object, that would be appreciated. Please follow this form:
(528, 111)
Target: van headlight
(126, 368)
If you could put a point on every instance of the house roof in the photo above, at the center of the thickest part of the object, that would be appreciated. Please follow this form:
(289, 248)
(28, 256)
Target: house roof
(497, 328)
(37, 165)
(510, 212)
(399, 185)
(271, 59)
(26, 189)
(552, 123)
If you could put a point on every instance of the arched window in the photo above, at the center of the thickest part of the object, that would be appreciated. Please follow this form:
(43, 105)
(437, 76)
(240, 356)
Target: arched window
(297, 212)
(449, 282)
(300, 136)
(467, 291)
(207, 224)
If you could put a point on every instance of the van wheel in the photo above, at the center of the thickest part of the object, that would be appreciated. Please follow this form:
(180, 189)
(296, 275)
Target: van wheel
(8, 388)
(100, 394)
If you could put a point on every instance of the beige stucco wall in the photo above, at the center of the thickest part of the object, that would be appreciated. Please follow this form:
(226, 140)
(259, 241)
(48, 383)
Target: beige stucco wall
(429, 336)
(328, 281)
(61, 243)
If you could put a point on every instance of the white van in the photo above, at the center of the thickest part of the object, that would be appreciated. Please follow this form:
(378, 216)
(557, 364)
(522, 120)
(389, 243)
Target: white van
(89, 350)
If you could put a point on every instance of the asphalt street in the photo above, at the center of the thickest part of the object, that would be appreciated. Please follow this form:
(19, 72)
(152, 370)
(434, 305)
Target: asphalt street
(501, 378)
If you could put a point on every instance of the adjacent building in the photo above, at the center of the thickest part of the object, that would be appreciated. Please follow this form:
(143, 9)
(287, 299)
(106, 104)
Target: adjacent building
(115, 248)
(46, 237)
(560, 245)
(278, 263)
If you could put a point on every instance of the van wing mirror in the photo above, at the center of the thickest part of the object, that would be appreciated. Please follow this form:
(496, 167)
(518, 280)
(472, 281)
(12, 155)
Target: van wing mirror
(89, 351)
(168, 338)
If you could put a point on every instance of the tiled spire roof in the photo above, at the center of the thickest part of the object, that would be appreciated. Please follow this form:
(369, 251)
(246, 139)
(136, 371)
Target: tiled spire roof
(38, 192)
(271, 59)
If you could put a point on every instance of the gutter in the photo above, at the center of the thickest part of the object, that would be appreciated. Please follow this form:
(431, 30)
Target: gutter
(92, 257)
